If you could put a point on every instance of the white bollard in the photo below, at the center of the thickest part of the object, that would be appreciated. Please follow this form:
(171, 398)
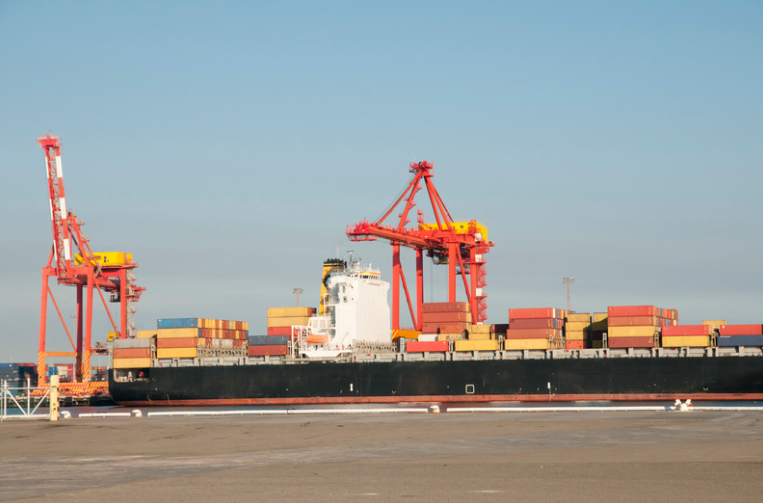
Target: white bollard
(137, 413)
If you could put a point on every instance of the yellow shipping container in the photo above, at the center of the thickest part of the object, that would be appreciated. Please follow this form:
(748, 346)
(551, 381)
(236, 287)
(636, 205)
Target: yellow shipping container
(686, 341)
(476, 345)
(281, 312)
(450, 337)
(176, 353)
(714, 323)
(145, 334)
(132, 363)
(174, 333)
(575, 335)
(480, 336)
(287, 321)
(579, 317)
(577, 325)
(481, 329)
(405, 334)
(599, 317)
(638, 331)
(514, 344)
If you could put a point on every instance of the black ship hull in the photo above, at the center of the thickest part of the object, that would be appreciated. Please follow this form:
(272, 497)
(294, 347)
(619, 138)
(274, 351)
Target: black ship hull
(315, 382)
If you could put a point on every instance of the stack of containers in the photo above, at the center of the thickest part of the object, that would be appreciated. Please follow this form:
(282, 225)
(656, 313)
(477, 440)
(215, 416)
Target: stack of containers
(16, 374)
(740, 335)
(268, 345)
(200, 337)
(599, 325)
(535, 328)
(449, 320)
(577, 327)
(132, 353)
(691, 336)
(480, 338)
(281, 319)
(637, 326)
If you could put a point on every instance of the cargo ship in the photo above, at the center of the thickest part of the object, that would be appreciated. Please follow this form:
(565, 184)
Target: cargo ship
(344, 352)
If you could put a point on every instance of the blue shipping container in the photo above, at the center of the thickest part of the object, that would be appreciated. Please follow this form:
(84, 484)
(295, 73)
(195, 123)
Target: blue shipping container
(268, 340)
(178, 323)
(740, 340)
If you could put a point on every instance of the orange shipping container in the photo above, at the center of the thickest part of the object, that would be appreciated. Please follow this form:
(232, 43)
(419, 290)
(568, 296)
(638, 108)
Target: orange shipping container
(132, 353)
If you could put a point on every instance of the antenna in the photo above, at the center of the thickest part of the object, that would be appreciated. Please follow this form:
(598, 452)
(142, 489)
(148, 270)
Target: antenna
(297, 291)
(568, 282)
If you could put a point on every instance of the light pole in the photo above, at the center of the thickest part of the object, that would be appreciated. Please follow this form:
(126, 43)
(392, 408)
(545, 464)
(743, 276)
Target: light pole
(297, 291)
(568, 282)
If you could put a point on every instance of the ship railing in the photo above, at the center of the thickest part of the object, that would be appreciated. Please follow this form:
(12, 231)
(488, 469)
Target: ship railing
(20, 400)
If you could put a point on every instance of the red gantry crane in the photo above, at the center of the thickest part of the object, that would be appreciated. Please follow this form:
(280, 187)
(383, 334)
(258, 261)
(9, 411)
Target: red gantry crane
(460, 245)
(73, 263)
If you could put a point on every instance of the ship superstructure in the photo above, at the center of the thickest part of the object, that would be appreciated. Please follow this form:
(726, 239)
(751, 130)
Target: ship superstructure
(354, 310)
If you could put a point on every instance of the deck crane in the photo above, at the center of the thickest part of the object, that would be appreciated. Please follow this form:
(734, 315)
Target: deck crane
(73, 263)
(460, 245)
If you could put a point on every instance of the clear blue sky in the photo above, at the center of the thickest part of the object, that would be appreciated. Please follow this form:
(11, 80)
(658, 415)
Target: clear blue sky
(227, 145)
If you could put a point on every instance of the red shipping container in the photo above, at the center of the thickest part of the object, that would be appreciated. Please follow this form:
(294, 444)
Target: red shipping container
(534, 323)
(427, 346)
(741, 329)
(631, 311)
(263, 350)
(669, 330)
(533, 312)
(450, 317)
(631, 342)
(444, 307)
(181, 342)
(453, 328)
(430, 328)
(633, 321)
(531, 333)
(131, 353)
(574, 344)
(279, 330)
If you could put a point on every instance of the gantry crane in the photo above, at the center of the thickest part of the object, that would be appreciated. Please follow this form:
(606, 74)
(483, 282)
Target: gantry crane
(73, 263)
(460, 245)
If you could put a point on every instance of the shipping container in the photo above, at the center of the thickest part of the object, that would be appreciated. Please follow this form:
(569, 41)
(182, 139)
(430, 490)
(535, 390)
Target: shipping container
(132, 353)
(741, 329)
(579, 317)
(574, 344)
(279, 330)
(740, 340)
(145, 334)
(686, 341)
(575, 335)
(446, 317)
(178, 323)
(268, 340)
(262, 350)
(444, 307)
(132, 363)
(630, 332)
(632, 342)
(632, 321)
(574, 326)
(177, 333)
(176, 353)
(596, 317)
(533, 312)
(479, 336)
(181, 342)
(132, 343)
(517, 344)
(714, 323)
(669, 331)
(288, 321)
(450, 337)
(476, 345)
(534, 323)
(482, 329)
(427, 346)
(285, 312)
(632, 311)
(532, 333)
